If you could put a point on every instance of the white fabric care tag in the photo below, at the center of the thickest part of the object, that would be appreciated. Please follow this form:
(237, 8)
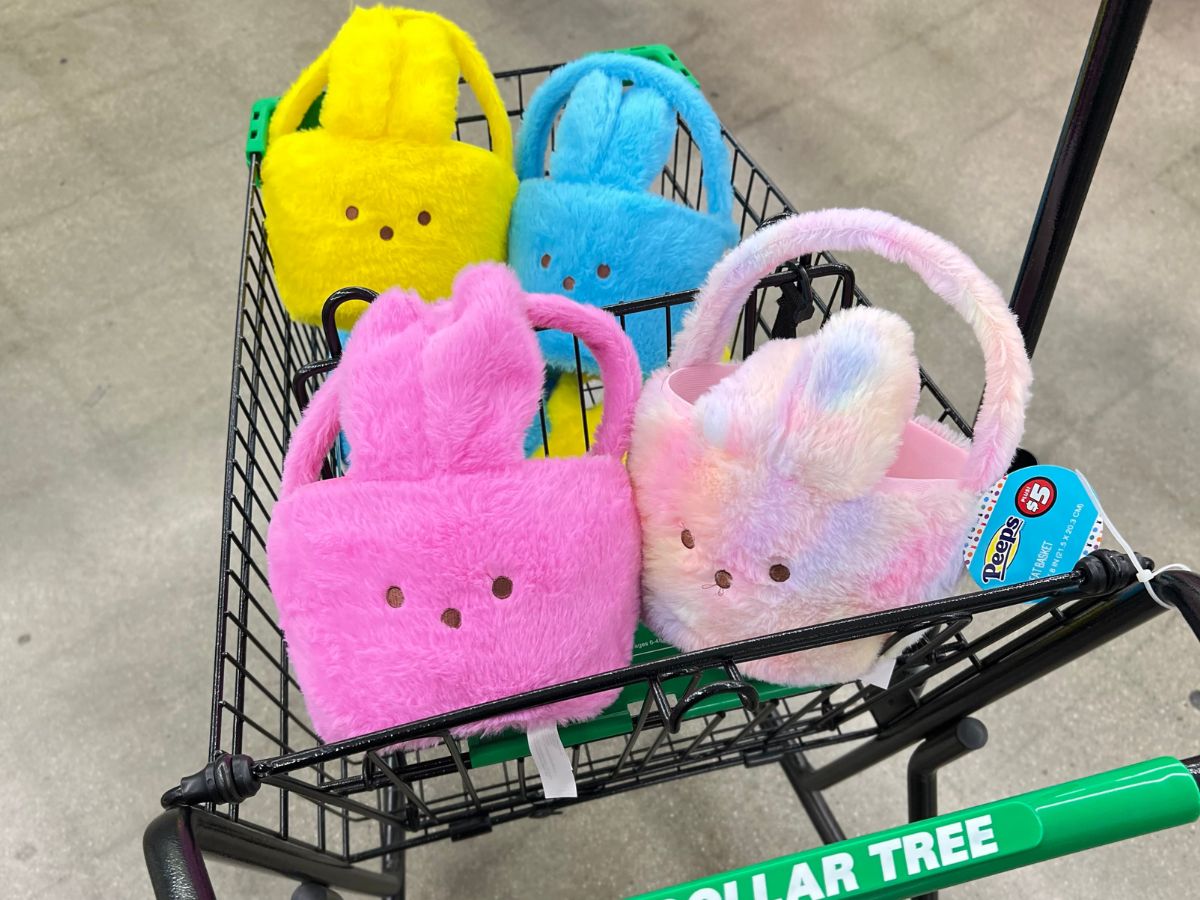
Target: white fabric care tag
(553, 764)
(881, 673)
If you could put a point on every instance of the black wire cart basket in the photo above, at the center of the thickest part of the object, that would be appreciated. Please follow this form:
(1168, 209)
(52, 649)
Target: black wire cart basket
(344, 815)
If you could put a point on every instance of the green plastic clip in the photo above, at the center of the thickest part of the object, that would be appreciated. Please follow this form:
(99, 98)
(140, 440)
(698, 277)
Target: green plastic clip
(260, 121)
(256, 135)
(661, 53)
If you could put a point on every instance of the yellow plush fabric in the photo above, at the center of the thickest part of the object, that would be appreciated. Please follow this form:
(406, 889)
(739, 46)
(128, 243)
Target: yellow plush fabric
(381, 194)
(564, 421)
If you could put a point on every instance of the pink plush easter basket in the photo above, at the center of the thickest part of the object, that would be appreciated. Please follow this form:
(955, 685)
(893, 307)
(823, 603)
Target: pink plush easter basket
(444, 569)
(799, 486)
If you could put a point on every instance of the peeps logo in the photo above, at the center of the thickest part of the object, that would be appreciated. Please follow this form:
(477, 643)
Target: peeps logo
(1036, 522)
(1002, 549)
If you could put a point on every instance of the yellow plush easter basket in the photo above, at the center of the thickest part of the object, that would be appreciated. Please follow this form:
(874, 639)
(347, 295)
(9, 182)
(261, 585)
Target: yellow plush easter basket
(380, 193)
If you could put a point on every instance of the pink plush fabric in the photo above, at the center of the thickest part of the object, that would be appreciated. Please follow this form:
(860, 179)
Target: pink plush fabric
(445, 569)
(808, 489)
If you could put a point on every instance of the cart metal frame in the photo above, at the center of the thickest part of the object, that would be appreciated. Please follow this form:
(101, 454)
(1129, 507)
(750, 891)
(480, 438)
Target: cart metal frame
(345, 814)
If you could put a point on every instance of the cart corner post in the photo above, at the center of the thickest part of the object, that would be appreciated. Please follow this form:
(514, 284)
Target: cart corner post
(1098, 88)
(173, 858)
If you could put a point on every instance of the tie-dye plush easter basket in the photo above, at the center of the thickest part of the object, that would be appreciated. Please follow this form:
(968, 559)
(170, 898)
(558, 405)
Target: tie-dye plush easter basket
(346, 814)
(805, 487)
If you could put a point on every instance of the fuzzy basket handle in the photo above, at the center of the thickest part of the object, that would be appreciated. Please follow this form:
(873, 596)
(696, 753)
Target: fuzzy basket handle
(313, 437)
(683, 97)
(619, 369)
(421, 35)
(946, 271)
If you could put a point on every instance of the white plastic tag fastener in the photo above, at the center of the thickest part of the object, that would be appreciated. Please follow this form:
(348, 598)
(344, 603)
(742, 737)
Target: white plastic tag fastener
(1144, 575)
(880, 675)
(553, 764)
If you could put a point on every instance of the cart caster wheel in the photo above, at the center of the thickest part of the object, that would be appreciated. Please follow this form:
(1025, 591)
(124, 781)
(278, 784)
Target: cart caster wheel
(1022, 459)
(312, 891)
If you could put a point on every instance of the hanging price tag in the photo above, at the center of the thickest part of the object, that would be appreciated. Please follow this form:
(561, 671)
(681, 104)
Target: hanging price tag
(1032, 523)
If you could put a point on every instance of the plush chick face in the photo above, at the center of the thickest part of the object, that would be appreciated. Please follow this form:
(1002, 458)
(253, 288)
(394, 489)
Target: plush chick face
(376, 214)
(602, 245)
(595, 231)
(734, 544)
(762, 501)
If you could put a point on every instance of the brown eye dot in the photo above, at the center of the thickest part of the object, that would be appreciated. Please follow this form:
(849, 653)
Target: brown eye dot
(723, 578)
(451, 618)
(424, 218)
(545, 260)
(688, 540)
(351, 213)
(603, 271)
(568, 283)
(386, 232)
(780, 572)
(395, 597)
(502, 587)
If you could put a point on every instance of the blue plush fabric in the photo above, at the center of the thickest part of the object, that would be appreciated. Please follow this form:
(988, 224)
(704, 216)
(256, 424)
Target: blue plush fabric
(341, 450)
(591, 230)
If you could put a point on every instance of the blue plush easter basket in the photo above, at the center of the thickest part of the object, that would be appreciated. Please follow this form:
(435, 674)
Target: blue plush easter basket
(591, 229)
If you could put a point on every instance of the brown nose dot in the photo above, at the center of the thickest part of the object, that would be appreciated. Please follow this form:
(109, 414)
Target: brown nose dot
(452, 617)
(780, 572)
(395, 597)
(568, 283)
(603, 270)
(424, 218)
(502, 587)
(386, 232)
(723, 578)
(351, 213)
(688, 540)
(545, 260)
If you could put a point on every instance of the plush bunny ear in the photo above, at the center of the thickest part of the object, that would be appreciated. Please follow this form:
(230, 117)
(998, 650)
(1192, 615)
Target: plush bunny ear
(611, 136)
(441, 387)
(380, 394)
(481, 374)
(361, 62)
(425, 91)
(391, 77)
(399, 310)
(828, 411)
(846, 413)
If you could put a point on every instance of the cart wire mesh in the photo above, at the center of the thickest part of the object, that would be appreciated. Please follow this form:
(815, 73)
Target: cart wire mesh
(359, 800)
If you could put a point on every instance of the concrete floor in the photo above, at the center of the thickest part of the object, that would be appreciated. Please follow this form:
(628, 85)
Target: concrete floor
(122, 180)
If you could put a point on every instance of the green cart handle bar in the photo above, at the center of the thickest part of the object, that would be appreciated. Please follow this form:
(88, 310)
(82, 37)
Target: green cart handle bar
(973, 843)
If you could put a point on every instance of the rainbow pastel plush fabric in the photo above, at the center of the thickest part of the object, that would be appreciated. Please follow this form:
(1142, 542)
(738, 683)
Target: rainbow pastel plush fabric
(799, 486)
(381, 194)
(592, 229)
(444, 569)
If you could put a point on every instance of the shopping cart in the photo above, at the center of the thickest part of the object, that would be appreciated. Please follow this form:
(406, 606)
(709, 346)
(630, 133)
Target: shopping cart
(345, 815)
